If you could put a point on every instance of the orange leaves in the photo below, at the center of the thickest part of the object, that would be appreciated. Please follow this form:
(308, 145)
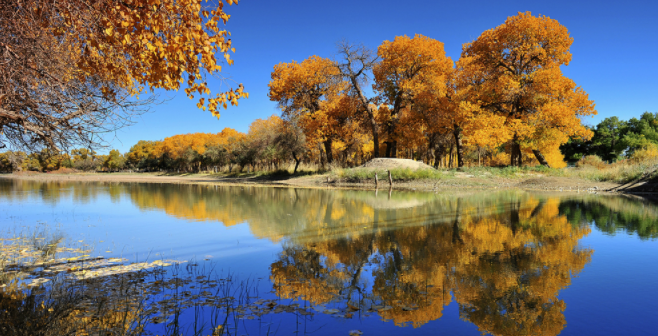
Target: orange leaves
(153, 43)
(506, 86)
(409, 66)
(523, 43)
(301, 85)
(514, 71)
(311, 93)
(174, 147)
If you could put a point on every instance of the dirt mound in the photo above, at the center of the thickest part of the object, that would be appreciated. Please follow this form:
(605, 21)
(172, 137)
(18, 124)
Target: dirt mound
(387, 163)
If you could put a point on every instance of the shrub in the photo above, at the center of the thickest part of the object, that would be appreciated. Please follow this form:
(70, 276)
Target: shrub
(501, 159)
(64, 170)
(591, 161)
(645, 153)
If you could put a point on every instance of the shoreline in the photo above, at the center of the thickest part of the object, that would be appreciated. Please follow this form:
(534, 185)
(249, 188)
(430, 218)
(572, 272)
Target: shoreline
(533, 182)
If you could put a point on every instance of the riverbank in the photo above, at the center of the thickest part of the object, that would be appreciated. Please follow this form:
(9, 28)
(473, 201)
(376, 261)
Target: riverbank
(446, 180)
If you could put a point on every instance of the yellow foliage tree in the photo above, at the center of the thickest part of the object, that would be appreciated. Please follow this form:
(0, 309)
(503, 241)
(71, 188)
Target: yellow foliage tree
(406, 66)
(516, 74)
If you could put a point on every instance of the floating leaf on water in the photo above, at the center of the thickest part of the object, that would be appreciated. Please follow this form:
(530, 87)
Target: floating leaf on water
(356, 332)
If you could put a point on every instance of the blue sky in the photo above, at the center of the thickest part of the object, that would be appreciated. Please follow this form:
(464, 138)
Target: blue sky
(615, 51)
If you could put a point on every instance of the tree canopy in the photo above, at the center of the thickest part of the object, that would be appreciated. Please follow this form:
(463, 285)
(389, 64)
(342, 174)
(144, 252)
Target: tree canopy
(70, 70)
(507, 89)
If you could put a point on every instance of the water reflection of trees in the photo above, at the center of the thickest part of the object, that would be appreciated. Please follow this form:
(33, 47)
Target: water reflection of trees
(505, 270)
(613, 214)
(275, 213)
(503, 257)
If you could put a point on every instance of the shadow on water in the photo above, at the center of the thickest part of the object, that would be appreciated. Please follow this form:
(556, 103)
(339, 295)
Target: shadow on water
(502, 257)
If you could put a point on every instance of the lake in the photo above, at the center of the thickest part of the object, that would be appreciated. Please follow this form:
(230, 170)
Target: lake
(344, 262)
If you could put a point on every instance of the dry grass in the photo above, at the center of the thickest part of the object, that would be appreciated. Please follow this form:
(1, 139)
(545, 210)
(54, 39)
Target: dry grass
(623, 171)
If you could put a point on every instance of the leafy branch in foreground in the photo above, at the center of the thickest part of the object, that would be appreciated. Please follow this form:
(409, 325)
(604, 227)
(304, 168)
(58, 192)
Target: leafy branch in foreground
(70, 70)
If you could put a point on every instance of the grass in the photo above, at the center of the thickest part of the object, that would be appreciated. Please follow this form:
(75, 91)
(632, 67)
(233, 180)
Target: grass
(511, 172)
(406, 174)
(620, 172)
(397, 174)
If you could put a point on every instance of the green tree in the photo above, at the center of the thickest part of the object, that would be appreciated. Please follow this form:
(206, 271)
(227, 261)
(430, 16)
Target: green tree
(607, 141)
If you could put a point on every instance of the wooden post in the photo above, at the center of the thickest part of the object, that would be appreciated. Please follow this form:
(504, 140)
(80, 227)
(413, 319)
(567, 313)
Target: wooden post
(376, 181)
(390, 179)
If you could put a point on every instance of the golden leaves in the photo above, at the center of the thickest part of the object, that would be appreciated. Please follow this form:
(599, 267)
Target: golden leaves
(153, 43)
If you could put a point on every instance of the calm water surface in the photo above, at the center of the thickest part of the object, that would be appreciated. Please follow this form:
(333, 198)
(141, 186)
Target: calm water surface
(502, 263)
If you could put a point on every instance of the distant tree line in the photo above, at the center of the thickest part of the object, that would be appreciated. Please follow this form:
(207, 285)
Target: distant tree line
(46, 160)
(269, 145)
(616, 139)
(275, 143)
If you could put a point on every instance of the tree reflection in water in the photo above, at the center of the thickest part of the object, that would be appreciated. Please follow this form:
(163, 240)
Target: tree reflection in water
(502, 257)
(505, 270)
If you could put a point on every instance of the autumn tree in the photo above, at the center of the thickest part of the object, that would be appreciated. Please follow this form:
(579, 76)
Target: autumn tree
(355, 64)
(70, 70)
(261, 139)
(291, 139)
(406, 64)
(142, 154)
(300, 90)
(11, 161)
(517, 75)
(84, 159)
(114, 161)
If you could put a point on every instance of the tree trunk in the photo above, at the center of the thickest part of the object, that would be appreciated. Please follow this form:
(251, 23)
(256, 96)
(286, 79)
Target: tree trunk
(450, 156)
(388, 149)
(369, 110)
(515, 156)
(297, 160)
(438, 155)
(327, 149)
(392, 127)
(322, 155)
(458, 144)
(540, 158)
(375, 133)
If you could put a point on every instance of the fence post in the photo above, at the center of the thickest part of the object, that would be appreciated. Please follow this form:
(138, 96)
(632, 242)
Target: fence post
(376, 181)
(390, 179)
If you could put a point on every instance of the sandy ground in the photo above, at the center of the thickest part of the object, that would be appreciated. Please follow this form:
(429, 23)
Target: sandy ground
(388, 163)
(460, 181)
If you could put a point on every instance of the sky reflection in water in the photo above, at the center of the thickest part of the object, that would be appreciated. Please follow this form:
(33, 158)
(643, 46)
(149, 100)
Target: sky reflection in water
(505, 263)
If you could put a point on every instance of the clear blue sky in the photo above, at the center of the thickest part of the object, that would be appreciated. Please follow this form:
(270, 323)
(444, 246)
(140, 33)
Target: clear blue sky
(615, 50)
